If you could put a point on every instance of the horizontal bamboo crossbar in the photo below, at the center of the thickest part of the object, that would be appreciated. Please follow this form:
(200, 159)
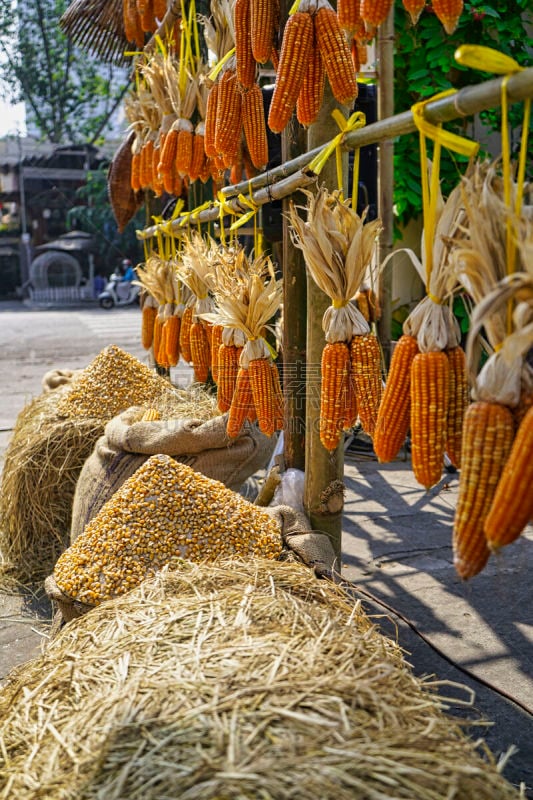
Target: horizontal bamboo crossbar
(286, 179)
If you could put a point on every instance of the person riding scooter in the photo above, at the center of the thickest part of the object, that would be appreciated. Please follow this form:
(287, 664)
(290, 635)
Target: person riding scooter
(120, 289)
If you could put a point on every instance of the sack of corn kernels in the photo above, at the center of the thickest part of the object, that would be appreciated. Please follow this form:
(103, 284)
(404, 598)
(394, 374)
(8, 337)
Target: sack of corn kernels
(129, 441)
(162, 515)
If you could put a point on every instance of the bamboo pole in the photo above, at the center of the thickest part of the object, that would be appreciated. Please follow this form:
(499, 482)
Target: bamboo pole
(386, 177)
(324, 487)
(464, 103)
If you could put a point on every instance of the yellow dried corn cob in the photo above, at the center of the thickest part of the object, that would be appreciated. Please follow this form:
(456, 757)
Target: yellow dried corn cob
(266, 402)
(457, 404)
(185, 334)
(263, 21)
(512, 505)
(335, 55)
(158, 335)
(211, 121)
(253, 118)
(228, 368)
(350, 410)
(216, 341)
(349, 15)
(136, 171)
(242, 404)
(229, 115)
(414, 8)
(148, 316)
(448, 13)
(311, 92)
(374, 12)
(394, 410)
(366, 372)
(335, 372)
(487, 440)
(200, 352)
(184, 148)
(244, 57)
(165, 513)
(172, 339)
(157, 179)
(294, 58)
(198, 153)
(151, 415)
(430, 388)
(168, 152)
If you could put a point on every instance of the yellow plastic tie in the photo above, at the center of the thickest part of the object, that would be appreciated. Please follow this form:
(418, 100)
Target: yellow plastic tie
(243, 219)
(213, 75)
(339, 303)
(434, 298)
(355, 121)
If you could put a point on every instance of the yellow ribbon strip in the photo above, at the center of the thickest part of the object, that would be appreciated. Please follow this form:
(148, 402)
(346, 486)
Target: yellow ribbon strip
(243, 219)
(434, 298)
(355, 121)
(339, 303)
(430, 193)
(216, 69)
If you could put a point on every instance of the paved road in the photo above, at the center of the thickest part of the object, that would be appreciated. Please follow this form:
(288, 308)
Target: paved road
(396, 546)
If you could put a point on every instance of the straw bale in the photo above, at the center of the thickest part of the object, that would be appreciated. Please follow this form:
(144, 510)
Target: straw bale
(112, 382)
(42, 465)
(234, 680)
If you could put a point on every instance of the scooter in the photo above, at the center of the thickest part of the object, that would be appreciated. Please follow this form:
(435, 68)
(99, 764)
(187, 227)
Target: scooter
(119, 293)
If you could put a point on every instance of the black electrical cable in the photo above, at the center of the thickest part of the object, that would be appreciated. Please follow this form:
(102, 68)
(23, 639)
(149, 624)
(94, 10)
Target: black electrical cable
(441, 653)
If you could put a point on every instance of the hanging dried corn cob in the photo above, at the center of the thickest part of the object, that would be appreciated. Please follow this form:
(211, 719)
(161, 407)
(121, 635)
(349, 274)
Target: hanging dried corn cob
(244, 57)
(351, 373)
(374, 12)
(448, 13)
(229, 114)
(264, 20)
(393, 417)
(335, 53)
(229, 353)
(311, 91)
(149, 313)
(414, 8)
(253, 117)
(349, 15)
(293, 62)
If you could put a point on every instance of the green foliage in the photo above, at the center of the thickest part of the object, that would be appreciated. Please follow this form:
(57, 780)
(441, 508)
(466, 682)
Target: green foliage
(424, 65)
(94, 215)
(69, 96)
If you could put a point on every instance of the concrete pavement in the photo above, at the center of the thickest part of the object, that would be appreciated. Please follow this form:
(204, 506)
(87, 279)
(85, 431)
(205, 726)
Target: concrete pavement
(396, 550)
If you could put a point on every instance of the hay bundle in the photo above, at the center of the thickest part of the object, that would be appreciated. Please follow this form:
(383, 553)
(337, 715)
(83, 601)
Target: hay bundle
(42, 465)
(231, 681)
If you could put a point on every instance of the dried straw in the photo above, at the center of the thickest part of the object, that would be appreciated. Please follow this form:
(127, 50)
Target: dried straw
(42, 465)
(97, 26)
(239, 680)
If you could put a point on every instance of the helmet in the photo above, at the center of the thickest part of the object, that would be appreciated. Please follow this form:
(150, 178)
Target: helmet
(126, 262)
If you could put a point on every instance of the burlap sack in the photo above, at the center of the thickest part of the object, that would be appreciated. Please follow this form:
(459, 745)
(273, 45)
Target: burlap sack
(300, 544)
(55, 378)
(127, 443)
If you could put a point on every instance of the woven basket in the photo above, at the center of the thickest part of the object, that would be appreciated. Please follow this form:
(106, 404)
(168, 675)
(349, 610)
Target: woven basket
(97, 26)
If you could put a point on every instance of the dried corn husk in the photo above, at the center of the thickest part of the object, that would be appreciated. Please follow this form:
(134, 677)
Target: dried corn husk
(124, 201)
(231, 680)
(338, 249)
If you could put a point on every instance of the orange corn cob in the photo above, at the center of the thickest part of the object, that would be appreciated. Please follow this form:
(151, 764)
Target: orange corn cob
(335, 370)
(293, 62)
(393, 415)
(235, 175)
(242, 404)
(130, 20)
(160, 9)
(312, 90)
(184, 149)
(350, 409)
(253, 118)
(185, 334)
(211, 121)
(512, 504)
(172, 339)
(149, 314)
(200, 353)
(148, 23)
(274, 57)
(228, 367)
(457, 404)
(279, 406)
(263, 22)
(374, 12)
(147, 164)
(244, 57)
(487, 440)
(198, 153)
(262, 384)
(177, 183)
(216, 341)
(136, 171)
(168, 153)
(448, 13)
(229, 115)
(349, 15)
(414, 8)
(430, 387)
(157, 180)
(336, 56)
(366, 371)
(157, 336)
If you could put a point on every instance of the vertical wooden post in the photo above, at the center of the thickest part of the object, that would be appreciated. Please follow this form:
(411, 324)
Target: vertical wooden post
(386, 175)
(324, 487)
(294, 320)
